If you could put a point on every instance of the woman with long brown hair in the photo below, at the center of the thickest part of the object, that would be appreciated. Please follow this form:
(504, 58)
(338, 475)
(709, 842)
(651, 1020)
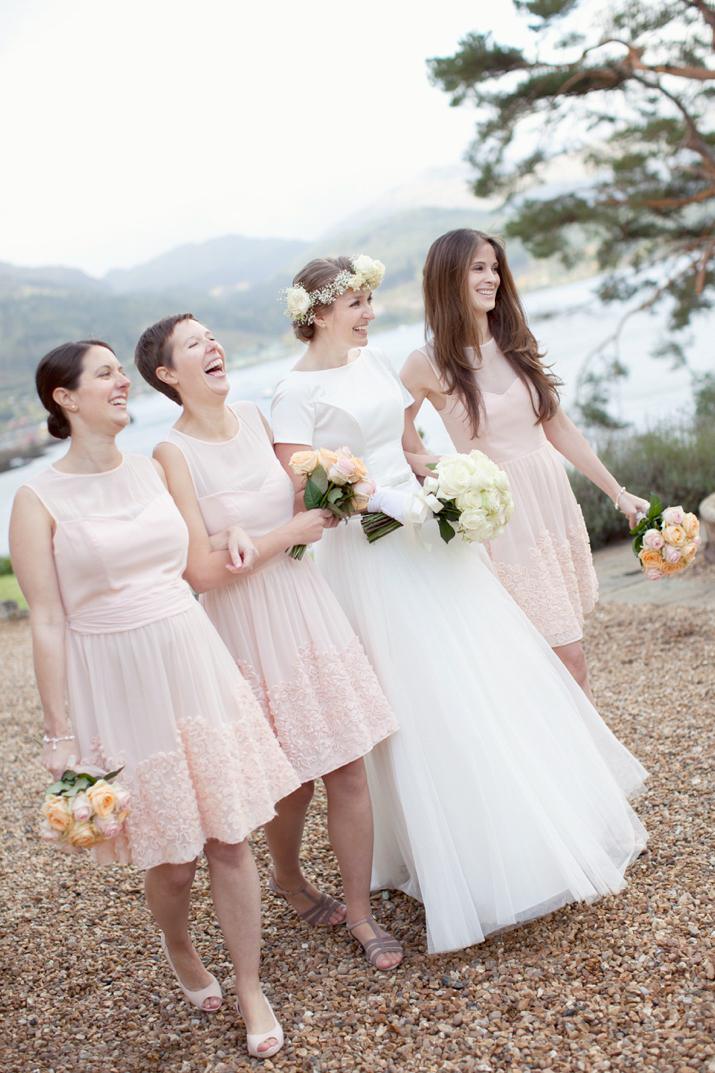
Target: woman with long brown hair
(484, 374)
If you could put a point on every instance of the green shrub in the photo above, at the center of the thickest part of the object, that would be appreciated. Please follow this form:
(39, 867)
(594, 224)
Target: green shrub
(676, 462)
(5, 566)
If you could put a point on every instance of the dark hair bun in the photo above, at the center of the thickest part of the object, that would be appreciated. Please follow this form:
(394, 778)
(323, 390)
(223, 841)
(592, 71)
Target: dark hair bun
(58, 426)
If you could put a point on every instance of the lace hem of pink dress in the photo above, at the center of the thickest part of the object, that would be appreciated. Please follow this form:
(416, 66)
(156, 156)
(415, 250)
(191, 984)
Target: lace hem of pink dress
(218, 783)
(559, 587)
(328, 690)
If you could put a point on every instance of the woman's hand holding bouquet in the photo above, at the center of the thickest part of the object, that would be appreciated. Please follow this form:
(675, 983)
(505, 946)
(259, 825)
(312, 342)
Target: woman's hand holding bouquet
(335, 480)
(83, 809)
(469, 495)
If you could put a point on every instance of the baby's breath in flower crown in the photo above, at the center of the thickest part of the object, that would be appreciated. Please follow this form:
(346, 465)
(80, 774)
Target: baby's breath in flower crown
(366, 275)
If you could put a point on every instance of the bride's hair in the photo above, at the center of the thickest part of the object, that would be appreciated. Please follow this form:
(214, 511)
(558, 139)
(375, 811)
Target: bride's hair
(62, 367)
(451, 325)
(316, 275)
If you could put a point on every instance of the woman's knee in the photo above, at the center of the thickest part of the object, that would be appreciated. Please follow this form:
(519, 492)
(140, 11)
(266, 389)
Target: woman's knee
(298, 800)
(232, 854)
(349, 779)
(175, 879)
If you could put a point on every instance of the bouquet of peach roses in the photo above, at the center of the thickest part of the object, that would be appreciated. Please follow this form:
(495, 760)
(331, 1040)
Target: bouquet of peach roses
(335, 480)
(82, 810)
(665, 541)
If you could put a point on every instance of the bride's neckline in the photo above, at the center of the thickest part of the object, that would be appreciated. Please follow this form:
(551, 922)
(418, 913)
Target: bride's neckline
(356, 351)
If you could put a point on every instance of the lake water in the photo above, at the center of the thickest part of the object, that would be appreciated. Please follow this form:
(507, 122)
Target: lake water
(651, 392)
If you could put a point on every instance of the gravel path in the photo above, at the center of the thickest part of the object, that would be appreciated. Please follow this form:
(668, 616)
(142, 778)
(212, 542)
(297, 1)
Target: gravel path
(625, 984)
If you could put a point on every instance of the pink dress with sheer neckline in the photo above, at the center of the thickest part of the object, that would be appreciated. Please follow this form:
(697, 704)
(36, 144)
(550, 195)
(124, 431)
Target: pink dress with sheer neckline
(543, 558)
(150, 685)
(281, 623)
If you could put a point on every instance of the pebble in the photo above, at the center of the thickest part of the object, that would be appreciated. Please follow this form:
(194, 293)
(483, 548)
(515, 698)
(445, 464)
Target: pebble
(624, 984)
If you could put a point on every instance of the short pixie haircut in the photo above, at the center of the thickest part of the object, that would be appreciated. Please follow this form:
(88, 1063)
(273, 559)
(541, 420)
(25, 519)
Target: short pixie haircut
(154, 350)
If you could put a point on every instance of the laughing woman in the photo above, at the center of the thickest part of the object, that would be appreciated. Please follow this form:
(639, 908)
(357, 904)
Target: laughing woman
(99, 548)
(279, 620)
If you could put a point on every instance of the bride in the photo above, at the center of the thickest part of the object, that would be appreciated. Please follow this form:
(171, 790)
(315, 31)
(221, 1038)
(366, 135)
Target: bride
(503, 795)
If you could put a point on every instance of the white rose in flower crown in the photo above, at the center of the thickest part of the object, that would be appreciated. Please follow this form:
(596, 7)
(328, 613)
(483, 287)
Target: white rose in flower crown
(371, 272)
(297, 301)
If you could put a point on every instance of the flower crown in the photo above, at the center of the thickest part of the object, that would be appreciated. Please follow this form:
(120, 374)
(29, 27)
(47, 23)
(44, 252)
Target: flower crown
(365, 274)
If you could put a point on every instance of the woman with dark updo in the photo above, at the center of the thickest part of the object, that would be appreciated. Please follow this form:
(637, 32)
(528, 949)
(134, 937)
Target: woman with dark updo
(99, 549)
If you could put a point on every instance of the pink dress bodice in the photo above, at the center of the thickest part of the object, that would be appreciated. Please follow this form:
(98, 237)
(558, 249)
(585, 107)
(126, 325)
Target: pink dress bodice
(509, 431)
(239, 481)
(110, 576)
(543, 557)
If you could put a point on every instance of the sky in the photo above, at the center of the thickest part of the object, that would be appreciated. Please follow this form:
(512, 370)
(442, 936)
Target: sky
(132, 126)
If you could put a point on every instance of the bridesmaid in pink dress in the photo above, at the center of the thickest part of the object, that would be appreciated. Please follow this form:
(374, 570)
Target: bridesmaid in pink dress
(99, 548)
(278, 618)
(483, 373)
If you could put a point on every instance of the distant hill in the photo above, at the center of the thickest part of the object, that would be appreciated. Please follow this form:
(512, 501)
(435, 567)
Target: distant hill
(17, 278)
(231, 283)
(216, 265)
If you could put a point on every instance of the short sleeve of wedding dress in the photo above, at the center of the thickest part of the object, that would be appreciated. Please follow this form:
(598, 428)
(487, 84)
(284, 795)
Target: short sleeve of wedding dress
(293, 411)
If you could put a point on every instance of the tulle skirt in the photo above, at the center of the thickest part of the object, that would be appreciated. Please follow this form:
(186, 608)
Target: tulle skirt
(167, 703)
(293, 644)
(503, 795)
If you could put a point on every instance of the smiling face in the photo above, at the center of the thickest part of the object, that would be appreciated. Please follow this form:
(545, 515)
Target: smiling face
(344, 323)
(198, 362)
(483, 279)
(100, 398)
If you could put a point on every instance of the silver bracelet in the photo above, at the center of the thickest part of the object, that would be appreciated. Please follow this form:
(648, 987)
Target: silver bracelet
(53, 741)
(617, 500)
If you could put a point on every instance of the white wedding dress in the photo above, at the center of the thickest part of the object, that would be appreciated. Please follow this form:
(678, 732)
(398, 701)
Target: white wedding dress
(503, 795)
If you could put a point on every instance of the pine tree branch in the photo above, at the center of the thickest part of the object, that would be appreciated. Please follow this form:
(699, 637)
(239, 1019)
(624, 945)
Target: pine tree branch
(707, 12)
(702, 267)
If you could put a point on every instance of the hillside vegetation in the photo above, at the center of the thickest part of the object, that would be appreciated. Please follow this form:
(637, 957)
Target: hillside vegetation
(231, 283)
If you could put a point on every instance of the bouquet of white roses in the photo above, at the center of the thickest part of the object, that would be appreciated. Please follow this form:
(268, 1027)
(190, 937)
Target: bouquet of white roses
(82, 810)
(469, 495)
(666, 540)
(335, 480)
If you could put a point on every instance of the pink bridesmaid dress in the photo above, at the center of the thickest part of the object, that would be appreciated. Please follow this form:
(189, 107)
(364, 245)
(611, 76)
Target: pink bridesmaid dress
(281, 623)
(151, 687)
(543, 558)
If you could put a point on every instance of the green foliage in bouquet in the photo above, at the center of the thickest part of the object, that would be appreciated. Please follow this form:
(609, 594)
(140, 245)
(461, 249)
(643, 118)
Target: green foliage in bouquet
(320, 493)
(75, 782)
(654, 512)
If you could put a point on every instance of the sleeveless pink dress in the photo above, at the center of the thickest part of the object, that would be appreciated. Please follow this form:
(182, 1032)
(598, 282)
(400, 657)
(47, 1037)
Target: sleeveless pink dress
(281, 622)
(543, 558)
(150, 685)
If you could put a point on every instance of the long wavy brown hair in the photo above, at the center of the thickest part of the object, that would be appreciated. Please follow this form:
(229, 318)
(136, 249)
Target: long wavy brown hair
(451, 325)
